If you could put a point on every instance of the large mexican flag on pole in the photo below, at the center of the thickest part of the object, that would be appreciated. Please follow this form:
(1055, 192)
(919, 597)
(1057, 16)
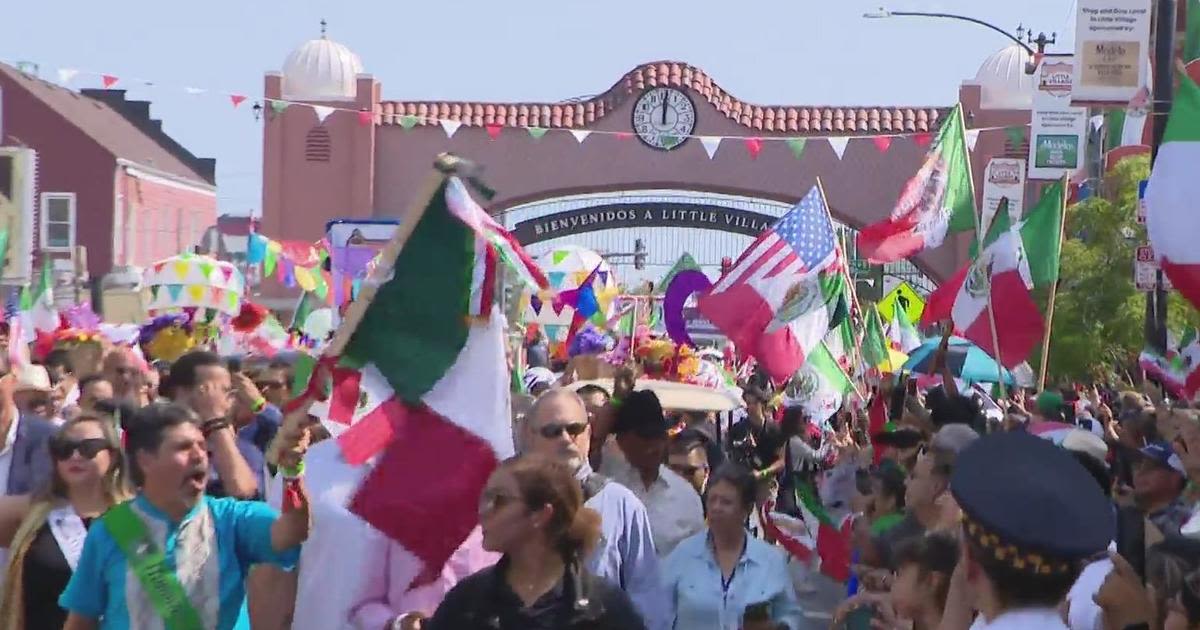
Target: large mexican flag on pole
(1172, 220)
(422, 382)
(938, 200)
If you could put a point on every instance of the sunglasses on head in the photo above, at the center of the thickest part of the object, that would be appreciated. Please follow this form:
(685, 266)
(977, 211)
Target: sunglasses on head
(554, 429)
(63, 448)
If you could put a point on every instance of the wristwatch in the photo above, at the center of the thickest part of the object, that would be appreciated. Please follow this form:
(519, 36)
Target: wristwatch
(212, 426)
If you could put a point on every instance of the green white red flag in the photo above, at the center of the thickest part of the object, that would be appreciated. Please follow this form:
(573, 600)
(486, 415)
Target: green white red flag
(423, 382)
(1172, 221)
(938, 200)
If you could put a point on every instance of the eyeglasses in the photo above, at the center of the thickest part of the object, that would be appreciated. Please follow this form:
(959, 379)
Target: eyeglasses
(573, 429)
(491, 501)
(62, 448)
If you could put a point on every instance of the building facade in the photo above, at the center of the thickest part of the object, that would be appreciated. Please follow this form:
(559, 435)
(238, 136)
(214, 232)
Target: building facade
(638, 165)
(97, 184)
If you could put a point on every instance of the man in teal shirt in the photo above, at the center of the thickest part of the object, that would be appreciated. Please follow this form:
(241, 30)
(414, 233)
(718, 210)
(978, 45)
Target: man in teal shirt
(172, 551)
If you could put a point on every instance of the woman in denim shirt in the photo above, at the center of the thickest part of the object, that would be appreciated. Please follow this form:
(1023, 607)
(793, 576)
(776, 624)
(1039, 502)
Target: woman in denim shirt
(724, 579)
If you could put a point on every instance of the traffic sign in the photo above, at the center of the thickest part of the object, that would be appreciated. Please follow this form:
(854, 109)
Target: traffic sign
(907, 298)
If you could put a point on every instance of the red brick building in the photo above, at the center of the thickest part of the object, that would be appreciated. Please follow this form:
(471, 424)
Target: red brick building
(107, 177)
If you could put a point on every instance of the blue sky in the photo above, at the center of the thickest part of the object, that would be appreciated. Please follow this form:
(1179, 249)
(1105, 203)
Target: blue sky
(795, 52)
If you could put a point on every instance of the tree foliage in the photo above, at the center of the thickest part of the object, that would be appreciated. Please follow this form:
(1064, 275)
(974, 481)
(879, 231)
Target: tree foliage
(1099, 315)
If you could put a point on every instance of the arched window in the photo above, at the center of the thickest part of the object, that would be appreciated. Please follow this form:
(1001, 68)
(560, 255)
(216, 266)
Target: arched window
(317, 145)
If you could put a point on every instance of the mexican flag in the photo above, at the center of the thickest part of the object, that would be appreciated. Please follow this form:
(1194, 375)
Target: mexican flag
(1172, 221)
(938, 200)
(1126, 133)
(423, 383)
(800, 325)
(902, 335)
(874, 346)
(37, 305)
(820, 386)
(1001, 274)
(815, 538)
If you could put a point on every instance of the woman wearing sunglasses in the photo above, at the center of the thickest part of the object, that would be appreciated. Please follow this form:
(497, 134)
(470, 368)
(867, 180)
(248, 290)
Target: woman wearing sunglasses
(45, 531)
(532, 512)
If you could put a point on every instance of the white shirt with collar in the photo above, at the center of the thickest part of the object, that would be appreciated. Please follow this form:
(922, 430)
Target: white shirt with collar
(1023, 619)
(671, 502)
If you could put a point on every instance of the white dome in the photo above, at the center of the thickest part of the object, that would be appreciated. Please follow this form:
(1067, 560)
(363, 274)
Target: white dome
(1003, 82)
(320, 69)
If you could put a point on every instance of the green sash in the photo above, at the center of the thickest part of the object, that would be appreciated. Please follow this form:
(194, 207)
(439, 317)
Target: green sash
(161, 585)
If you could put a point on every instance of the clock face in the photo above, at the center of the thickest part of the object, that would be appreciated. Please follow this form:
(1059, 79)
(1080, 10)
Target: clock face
(664, 118)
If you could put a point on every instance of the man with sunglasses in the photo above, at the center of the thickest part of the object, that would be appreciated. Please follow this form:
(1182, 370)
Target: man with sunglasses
(557, 427)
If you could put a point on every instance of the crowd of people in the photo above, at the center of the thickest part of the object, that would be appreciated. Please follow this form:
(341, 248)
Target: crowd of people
(177, 496)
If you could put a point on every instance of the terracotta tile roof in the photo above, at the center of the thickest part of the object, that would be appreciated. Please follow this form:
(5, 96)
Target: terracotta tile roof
(103, 124)
(769, 120)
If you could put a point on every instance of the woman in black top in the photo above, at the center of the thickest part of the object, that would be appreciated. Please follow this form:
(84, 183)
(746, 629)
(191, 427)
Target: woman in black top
(532, 512)
(45, 532)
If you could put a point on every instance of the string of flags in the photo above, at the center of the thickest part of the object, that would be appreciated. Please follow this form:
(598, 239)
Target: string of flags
(711, 144)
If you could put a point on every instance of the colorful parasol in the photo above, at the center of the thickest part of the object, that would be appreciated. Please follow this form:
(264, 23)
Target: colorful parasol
(677, 396)
(567, 267)
(191, 281)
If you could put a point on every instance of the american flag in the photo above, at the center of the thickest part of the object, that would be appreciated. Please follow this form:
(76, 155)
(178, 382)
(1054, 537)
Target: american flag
(802, 242)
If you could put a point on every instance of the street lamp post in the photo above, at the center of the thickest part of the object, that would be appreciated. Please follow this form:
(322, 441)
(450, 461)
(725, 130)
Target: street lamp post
(1041, 41)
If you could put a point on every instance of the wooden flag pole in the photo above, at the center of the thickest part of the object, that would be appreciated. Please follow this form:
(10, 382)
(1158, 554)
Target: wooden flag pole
(845, 276)
(445, 165)
(1062, 228)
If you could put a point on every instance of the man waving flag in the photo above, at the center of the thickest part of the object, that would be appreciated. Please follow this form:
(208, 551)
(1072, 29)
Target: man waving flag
(777, 302)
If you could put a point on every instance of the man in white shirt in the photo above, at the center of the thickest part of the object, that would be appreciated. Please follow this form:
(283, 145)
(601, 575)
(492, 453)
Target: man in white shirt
(674, 508)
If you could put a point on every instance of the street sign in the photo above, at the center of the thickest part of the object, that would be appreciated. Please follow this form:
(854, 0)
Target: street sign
(1141, 204)
(907, 298)
(1145, 270)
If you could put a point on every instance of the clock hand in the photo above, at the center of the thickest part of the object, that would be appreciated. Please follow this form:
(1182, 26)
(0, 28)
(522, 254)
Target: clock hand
(664, 114)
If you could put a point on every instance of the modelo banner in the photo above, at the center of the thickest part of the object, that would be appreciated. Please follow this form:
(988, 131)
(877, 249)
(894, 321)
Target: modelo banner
(1058, 131)
(1112, 40)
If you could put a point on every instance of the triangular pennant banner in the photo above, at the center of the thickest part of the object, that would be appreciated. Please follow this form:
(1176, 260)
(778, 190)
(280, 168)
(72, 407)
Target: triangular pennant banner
(580, 134)
(882, 143)
(196, 292)
(210, 314)
(66, 74)
(236, 99)
(556, 278)
(535, 303)
(559, 255)
(217, 293)
(408, 122)
(450, 126)
(1097, 122)
(174, 290)
(227, 271)
(923, 139)
(838, 144)
(365, 119)
(154, 288)
(797, 146)
(624, 135)
(754, 147)
(537, 132)
(603, 277)
(322, 112)
(669, 141)
(972, 138)
(278, 106)
(206, 268)
(711, 144)
(108, 80)
(181, 269)
(1016, 135)
(493, 131)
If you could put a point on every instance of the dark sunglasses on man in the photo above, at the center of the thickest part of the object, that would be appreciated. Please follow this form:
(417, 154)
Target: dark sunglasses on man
(554, 429)
(62, 448)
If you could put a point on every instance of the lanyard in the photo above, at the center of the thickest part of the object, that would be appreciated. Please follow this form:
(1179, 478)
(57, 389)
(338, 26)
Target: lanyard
(726, 583)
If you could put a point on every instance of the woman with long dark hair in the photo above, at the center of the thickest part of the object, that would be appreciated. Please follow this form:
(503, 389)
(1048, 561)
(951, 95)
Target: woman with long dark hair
(532, 512)
(45, 531)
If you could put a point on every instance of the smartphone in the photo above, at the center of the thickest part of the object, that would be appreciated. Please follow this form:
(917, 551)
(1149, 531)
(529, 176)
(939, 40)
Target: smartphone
(860, 618)
(757, 612)
(1131, 539)
(899, 394)
(234, 364)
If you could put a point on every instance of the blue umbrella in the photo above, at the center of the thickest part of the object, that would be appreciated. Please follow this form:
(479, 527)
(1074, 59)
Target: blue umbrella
(966, 360)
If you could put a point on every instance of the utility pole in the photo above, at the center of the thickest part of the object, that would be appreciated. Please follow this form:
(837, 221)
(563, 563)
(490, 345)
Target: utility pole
(1164, 88)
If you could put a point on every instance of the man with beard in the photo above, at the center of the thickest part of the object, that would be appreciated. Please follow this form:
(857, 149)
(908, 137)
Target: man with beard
(557, 427)
(173, 557)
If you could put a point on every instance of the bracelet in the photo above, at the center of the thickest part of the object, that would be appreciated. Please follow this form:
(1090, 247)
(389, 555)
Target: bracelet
(212, 426)
(259, 404)
(615, 402)
(292, 472)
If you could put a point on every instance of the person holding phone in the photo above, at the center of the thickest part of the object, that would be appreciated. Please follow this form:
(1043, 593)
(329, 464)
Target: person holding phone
(723, 578)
